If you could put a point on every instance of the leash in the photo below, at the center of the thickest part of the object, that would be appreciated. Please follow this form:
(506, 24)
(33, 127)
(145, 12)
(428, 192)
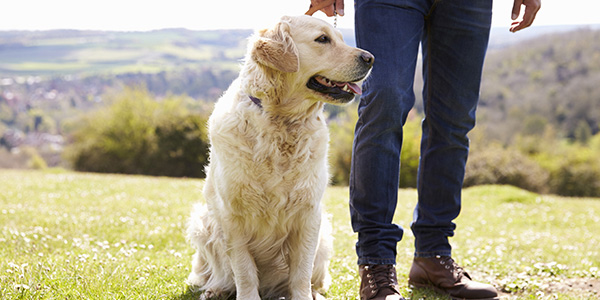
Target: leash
(313, 9)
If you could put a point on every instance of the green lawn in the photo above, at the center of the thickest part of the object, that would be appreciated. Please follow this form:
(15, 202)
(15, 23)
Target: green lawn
(66, 235)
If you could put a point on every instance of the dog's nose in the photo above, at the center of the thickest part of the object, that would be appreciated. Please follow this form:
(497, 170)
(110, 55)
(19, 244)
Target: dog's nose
(368, 58)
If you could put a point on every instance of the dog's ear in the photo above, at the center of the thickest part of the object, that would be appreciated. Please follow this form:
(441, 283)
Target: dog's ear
(275, 48)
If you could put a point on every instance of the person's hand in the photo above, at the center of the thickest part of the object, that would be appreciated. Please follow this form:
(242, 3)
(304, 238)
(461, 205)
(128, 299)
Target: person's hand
(327, 6)
(531, 9)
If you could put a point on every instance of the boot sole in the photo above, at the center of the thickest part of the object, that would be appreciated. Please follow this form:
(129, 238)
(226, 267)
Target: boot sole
(437, 289)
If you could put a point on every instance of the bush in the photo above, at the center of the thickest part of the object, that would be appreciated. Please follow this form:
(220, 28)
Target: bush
(36, 161)
(576, 179)
(21, 158)
(538, 163)
(574, 171)
(496, 165)
(138, 135)
(181, 147)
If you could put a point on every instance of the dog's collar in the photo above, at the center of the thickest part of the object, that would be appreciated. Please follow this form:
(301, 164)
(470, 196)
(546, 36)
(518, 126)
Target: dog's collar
(256, 101)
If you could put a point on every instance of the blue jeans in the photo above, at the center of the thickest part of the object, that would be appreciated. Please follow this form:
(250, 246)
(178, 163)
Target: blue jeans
(454, 36)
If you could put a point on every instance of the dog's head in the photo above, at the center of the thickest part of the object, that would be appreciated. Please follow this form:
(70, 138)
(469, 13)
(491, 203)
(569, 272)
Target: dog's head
(313, 59)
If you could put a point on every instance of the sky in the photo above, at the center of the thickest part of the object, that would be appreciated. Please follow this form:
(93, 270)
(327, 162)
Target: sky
(137, 15)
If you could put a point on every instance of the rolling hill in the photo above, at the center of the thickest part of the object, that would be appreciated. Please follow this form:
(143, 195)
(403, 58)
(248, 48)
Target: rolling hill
(60, 52)
(543, 79)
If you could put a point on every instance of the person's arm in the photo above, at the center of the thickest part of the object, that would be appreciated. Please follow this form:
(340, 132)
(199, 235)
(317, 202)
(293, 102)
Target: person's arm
(327, 6)
(531, 9)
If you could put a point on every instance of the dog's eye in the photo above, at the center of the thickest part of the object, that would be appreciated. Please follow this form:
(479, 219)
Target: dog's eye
(323, 39)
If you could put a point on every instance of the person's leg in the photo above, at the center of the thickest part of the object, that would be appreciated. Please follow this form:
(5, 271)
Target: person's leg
(391, 30)
(454, 45)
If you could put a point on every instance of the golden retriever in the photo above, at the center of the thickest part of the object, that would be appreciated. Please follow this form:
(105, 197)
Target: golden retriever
(262, 231)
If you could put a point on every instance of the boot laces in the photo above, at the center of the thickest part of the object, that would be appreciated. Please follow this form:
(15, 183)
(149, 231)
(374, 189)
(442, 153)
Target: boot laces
(381, 276)
(453, 267)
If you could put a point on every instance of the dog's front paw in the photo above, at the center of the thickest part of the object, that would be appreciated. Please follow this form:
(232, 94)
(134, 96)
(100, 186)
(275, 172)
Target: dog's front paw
(303, 296)
(207, 295)
(213, 295)
(317, 296)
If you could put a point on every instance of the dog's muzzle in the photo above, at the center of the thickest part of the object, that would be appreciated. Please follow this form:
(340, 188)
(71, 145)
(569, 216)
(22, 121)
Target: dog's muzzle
(343, 91)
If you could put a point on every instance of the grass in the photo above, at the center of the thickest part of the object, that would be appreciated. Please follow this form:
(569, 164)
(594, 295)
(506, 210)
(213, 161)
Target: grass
(66, 235)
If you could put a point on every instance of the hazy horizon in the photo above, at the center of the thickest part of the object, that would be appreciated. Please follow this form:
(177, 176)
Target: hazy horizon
(135, 15)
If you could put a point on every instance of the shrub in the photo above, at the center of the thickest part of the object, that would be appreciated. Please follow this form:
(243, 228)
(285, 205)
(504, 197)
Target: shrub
(22, 157)
(36, 161)
(496, 165)
(138, 135)
(576, 179)
(574, 171)
(181, 147)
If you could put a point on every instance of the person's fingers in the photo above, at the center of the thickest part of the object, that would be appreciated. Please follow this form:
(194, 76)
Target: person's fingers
(328, 10)
(516, 10)
(326, 6)
(339, 7)
(531, 9)
(515, 26)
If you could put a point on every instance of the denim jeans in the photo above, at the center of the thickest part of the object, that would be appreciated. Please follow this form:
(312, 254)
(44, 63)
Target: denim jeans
(453, 35)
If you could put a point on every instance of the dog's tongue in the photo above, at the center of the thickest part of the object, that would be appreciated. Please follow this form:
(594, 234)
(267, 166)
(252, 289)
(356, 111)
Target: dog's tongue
(353, 87)
(350, 85)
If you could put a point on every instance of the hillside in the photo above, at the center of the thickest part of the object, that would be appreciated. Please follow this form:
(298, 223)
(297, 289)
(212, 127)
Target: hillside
(531, 86)
(62, 52)
(548, 81)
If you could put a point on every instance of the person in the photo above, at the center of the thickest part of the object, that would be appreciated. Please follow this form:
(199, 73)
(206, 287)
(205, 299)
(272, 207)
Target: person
(453, 35)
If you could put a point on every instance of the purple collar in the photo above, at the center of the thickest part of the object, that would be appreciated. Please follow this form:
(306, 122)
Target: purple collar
(256, 101)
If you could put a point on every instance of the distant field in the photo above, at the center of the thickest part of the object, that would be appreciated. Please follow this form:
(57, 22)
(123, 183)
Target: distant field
(90, 52)
(66, 235)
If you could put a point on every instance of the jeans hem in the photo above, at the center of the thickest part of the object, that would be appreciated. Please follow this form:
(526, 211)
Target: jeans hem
(433, 253)
(376, 261)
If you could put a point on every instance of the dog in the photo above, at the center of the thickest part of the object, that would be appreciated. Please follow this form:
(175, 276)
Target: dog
(263, 231)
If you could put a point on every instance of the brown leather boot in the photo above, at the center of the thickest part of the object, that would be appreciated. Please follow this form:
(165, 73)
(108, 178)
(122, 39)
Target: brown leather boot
(444, 275)
(378, 282)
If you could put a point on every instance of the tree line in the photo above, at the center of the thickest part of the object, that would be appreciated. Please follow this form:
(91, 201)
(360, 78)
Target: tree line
(537, 128)
(139, 135)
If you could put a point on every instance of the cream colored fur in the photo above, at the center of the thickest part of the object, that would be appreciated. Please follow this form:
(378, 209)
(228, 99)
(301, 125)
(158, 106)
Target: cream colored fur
(263, 231)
